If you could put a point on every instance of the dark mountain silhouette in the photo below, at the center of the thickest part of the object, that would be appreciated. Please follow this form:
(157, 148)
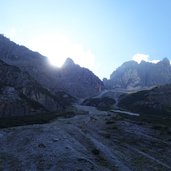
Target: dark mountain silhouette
(71, 78)
(132, 75)
(101, 103)
(156, 101)
(21, 95)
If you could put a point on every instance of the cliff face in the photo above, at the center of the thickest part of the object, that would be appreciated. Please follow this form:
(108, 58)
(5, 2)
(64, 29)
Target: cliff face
(21, 95)
(79, 81)
(71, 78)
(132, 75)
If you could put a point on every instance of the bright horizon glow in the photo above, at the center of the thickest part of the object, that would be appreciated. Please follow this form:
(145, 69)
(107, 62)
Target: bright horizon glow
(58, 47)
(97, 34)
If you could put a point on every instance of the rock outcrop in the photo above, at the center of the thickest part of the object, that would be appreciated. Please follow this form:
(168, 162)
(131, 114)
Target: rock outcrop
(101, 103)
(71, 78)
(21, 95)
(156, 101)
(132, 75)
(79, 81)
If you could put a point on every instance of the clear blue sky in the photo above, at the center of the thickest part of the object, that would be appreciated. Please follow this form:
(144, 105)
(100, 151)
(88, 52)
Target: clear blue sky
(105, 32)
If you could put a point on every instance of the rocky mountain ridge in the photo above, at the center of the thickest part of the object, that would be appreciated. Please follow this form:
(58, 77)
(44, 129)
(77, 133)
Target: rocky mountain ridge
(83, 138)
(132, 75)
(71, 78)
(21, 95)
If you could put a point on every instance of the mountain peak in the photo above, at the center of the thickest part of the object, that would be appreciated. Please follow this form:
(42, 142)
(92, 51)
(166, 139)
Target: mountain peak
(2, 36)
(69, 62)
(130, 63)
(165, 62)
(136, 76)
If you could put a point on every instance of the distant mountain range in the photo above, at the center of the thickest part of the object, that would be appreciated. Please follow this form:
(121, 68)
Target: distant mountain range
(71, 78)
(29, 85)
(81, 82)
(132, 75)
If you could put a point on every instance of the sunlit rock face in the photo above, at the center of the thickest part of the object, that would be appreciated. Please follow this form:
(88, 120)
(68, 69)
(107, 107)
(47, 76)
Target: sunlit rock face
(71, 78)
(21, 95)
(132, 75)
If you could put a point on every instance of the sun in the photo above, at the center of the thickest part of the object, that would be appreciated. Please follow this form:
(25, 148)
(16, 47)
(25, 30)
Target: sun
(55, 47)
(58, 47)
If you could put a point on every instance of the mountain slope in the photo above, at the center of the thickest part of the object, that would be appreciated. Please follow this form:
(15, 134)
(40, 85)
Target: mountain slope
(72, 78)
(156, 102)
(132, 75)
(21, 95)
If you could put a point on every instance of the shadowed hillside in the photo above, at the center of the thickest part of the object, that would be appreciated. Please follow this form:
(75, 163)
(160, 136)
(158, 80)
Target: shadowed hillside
(71, 78)
(21, 95)
(155, 102)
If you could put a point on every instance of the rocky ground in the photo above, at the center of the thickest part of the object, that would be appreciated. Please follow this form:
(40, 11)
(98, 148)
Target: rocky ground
(93, 140)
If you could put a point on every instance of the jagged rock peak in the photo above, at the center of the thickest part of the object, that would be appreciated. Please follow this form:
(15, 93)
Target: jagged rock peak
(71, 78)
(132, 75)
(130, 63)
(165, 61)
(143, 62)
(2, 36)
(69, 62)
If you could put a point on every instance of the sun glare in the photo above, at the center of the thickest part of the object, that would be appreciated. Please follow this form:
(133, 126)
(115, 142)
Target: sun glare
(58, 47)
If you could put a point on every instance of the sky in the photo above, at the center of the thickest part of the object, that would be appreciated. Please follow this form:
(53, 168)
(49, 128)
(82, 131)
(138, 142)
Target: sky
(96, 34)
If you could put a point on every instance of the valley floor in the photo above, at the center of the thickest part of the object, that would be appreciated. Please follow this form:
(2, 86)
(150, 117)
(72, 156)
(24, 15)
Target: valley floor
(95, 140)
